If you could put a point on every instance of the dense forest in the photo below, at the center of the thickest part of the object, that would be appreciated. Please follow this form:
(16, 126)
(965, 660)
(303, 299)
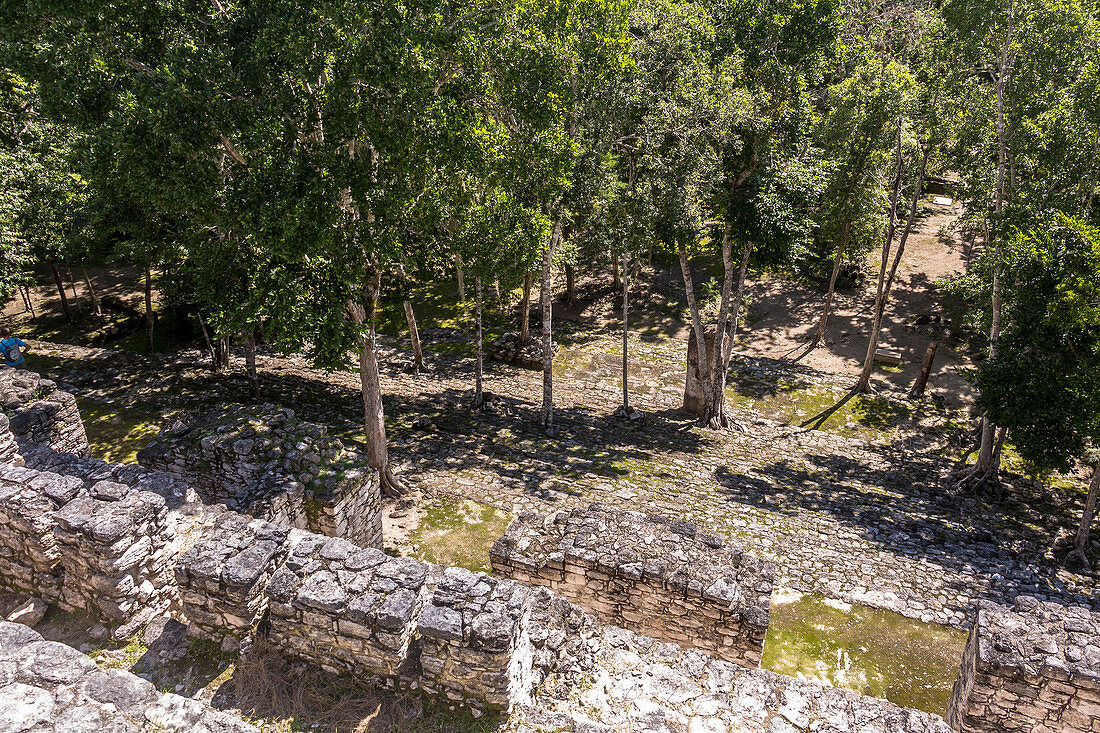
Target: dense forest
(286, 164)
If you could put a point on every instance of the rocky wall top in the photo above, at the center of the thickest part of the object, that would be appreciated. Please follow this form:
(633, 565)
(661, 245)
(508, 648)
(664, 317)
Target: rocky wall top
(38, 411)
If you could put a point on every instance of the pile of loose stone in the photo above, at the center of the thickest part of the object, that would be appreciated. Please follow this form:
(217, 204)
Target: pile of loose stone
(658, 576)
(266, 462)
(39, 412)
(1032, 667)
(511, 348)
(48, 687)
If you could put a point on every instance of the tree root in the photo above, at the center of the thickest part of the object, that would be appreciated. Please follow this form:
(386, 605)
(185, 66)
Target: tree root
(391, 486)
(976, 480)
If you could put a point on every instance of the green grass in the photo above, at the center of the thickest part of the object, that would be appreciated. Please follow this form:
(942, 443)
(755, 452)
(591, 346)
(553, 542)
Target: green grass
(869, 651)
(459, 532)
(117, 435)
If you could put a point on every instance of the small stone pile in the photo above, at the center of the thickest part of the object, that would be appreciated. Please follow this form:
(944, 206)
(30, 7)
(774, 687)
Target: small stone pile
(474, 645)
(265, 462)
(48, 687)
(510, 348)
(39, 412)
(110, 542)
(1032, 667)
(345, 608)
(223, 576)
(657, 576)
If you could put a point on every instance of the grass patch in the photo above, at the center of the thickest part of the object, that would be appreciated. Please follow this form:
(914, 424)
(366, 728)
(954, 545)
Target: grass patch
(867, 650)
(459, 532)
(117, 436)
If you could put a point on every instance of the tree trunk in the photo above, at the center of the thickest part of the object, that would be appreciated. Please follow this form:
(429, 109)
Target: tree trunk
(820, 334)
(1081, 543)
(414, 336)
(570, 290)
(722, 356)
(626, 343)
(497, 298)
(224, 360)
(547, 336)
(148, 308)
(61, 292)
(461, 280)
(25, 293)
(250, 364)
(705, 359)
(525, 310)
(925, 371)
(91, 292)
(479, 397)
(617, 280)
(374, 423)
(214, 361)
(864, 382)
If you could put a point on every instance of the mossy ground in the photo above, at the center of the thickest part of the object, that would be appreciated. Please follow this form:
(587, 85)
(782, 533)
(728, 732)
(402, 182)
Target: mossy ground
(459, 532)
(869, 651)
(116, 435)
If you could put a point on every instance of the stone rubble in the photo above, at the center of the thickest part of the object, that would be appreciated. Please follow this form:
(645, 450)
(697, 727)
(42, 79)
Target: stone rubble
(510, 348)
(660, 577)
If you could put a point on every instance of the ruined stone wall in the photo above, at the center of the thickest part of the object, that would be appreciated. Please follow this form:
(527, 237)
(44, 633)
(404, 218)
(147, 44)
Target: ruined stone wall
(265, 462)
(656, 576)
(1034, 667)
(9, 449)
(40, 412)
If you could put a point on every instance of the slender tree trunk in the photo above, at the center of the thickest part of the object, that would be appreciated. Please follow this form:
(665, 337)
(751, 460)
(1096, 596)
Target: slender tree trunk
(497, 297)
(626, 342)
(525, 310)
(925, 370)
(61, 292)
(91, 292)
(72, 280)
(864, 382)
(617, 280)
(721, 419)
(704, 361)
(374, 423)
(250, 364)
(25, 294)
(214, 362)
(223, 354)
(570, 290)
(820, 334)
(1081, 543)
(547, 335)
(461, 280)
(479, 397)
(414, 336)
(148, 308)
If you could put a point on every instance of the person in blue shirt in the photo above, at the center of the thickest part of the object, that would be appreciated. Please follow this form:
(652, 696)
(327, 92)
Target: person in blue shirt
(12, 349)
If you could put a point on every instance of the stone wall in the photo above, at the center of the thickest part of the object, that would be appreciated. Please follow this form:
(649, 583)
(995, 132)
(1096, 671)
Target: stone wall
(9, 449)
(46, 686)
(265, 462)
(657, 576)
(1033, 668)
(40, 412)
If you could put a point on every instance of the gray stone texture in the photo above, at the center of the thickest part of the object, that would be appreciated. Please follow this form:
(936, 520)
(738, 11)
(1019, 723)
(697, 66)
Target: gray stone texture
(265, 462)
(661, 577)
(1034, 667)
(40, 412)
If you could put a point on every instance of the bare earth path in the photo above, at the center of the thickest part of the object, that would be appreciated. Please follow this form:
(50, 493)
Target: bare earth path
(852, 520)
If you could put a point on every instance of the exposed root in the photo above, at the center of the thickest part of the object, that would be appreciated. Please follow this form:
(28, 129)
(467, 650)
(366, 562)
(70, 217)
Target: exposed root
(392, 486)
(975, 479)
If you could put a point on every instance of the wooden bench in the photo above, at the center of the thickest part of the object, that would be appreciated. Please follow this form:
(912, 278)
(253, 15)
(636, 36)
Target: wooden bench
(885, 356)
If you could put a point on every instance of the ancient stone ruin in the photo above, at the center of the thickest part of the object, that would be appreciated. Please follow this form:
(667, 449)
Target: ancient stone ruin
(39, 412)
(1033, 667)
(126, 543)
(266, 462)
(656, 576)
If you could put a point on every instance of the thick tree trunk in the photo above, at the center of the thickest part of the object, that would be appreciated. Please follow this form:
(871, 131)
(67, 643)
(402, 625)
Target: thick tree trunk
(525, 310)
(820, 333)
(250, 364)
(61, 292)
(570, 290)
(1081, 543)
(705, 359)
(479, 397)
(545, 295)
(925, 370)
(626, 332)
(414, 337)
(374, 423)
(148, 308)
(91, 292)
(863, 384)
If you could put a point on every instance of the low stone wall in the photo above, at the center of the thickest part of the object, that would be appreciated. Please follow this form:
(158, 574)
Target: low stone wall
(223, 576)
(265, 462)
(49, 686)
(29, 556)
(40, 412)
(1034, 667)
(659, 577)
(9, 449)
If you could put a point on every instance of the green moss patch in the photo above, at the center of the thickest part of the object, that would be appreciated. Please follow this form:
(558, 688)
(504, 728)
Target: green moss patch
(459, 532)
(117, 435)
(867, 650)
